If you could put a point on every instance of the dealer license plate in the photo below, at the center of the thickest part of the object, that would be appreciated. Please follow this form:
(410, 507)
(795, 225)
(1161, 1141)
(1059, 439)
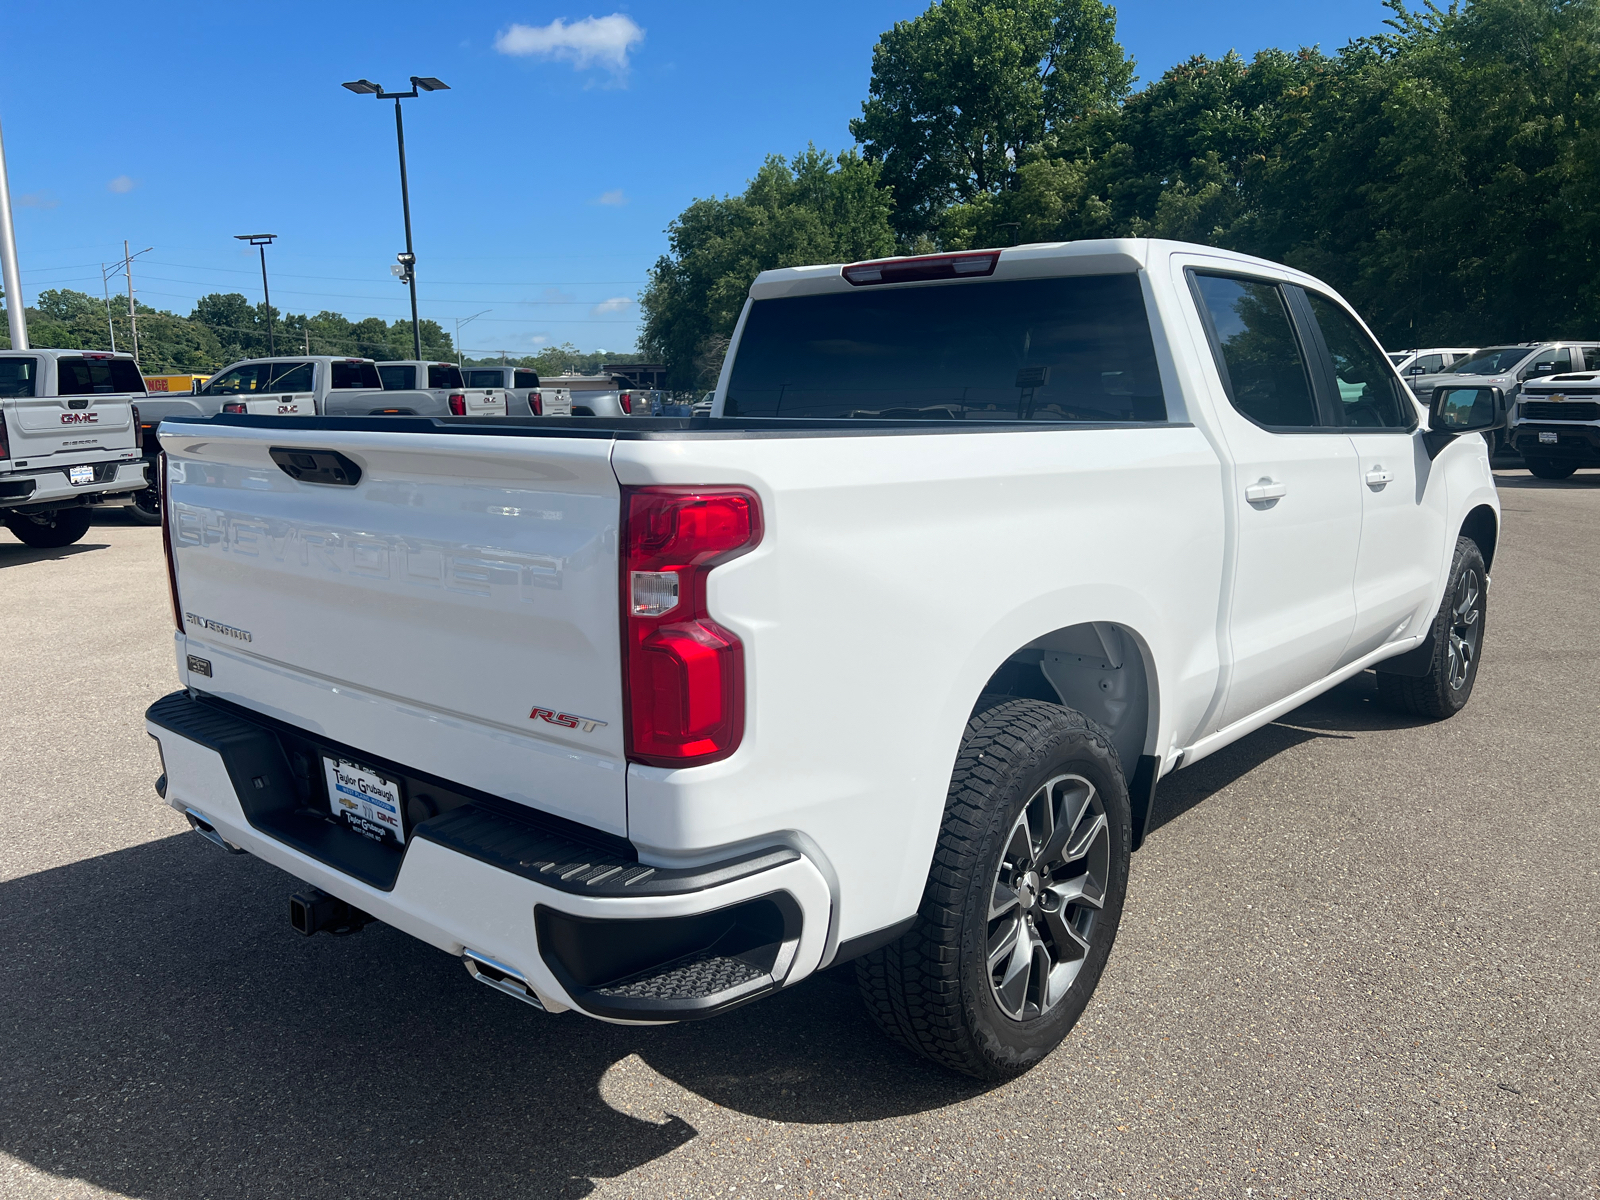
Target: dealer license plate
(77, 475)
(365, 801)
(1548, 439)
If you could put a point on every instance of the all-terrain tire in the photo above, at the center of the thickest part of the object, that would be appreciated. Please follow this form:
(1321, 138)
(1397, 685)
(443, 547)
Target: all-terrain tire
(933, 990)
(1457, 641)
(1549, 468)
(50, 530)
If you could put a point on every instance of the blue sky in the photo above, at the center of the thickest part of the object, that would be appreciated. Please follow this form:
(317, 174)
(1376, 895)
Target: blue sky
(541, 184)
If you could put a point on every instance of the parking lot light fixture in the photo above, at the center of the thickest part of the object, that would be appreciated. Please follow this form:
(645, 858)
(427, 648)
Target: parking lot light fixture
(419, 84)
(263, 240)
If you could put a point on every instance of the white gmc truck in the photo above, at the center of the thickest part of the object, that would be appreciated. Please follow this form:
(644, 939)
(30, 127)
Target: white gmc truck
(69, 440)
(649, 718)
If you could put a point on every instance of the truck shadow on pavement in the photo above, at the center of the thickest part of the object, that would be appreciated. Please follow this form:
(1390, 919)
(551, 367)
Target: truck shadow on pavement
(15, 554)
(169, 1036)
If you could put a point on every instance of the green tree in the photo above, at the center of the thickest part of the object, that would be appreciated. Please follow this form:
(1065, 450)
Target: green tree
(961, 94)
(817, 209)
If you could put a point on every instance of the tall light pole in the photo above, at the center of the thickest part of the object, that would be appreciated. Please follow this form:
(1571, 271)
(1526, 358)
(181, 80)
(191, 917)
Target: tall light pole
(133, 318)
(461, 321)
(408, 260)
(16, 314)
(263, 240)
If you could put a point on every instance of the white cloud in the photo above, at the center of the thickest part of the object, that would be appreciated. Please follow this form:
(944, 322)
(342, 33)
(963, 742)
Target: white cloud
(603, 41)
(613, 198)
(122, 184)
(38, 200)
(615, 304)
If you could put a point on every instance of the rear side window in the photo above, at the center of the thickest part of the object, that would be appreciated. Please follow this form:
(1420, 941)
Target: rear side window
(97, 376)
(440, 376)
(1259, 356)
(355, 375)
(288, 377)
(526, 379)
(17, 376)
(1428, 364)
(1076, 349)
(398, 379)
(1369, 394)
(484, 379)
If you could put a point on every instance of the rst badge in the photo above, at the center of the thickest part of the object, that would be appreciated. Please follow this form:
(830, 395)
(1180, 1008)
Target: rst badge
(566, 720)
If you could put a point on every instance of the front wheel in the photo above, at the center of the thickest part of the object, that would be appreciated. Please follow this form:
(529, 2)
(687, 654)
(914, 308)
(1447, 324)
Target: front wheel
(48, 531)
(1549, 468)
(1023, 900)
(1457, 640)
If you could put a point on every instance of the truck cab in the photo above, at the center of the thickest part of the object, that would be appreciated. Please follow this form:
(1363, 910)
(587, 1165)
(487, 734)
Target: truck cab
(525, 396)
(443, 380)
(68, 440)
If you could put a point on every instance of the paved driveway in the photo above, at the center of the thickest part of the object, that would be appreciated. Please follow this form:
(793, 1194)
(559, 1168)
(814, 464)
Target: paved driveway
(1359, 959)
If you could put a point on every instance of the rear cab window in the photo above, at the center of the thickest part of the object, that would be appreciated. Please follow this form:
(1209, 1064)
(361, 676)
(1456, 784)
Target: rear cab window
(18, 377)
(483, 379)
(97, 376)
(526, 379)
(351, 375)
(1075, 349)
(441, 375)
(398, 379)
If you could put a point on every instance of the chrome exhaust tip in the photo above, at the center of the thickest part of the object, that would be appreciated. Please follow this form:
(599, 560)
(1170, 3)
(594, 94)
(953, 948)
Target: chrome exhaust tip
(209, 831)
(500, 977)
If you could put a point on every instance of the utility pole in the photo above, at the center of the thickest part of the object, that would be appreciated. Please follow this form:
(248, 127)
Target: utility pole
(133, 320)
(468, 321)
(16, 313)
(105, 288)
(307, 332)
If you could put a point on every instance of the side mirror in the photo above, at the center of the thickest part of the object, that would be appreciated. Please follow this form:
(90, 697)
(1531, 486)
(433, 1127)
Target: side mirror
(1457, 410)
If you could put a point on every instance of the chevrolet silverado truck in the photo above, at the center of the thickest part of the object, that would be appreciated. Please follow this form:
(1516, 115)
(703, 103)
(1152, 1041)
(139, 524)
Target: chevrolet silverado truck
(1556, 424)
(880, 663)
(68, 440)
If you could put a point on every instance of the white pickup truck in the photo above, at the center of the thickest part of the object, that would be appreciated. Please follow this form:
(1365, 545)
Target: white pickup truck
(1556, 424)
(648, 718)
(68, 440)
(300, 386)
(443, 381)
(525, 395)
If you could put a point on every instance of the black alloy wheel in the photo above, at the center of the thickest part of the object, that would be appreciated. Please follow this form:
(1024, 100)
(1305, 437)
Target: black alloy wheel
(1456, 638)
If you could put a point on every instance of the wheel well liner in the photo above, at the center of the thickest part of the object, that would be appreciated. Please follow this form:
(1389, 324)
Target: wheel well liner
(1483, 527)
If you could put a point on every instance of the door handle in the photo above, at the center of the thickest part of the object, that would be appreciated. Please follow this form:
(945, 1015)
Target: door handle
(1377, 477)
(1266, 489)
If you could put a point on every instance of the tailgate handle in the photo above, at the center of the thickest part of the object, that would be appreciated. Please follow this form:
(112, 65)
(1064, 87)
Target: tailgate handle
(316, 466)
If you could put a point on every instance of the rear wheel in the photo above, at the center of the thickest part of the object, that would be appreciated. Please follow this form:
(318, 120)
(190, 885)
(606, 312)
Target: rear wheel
(45, 531)
(1023, 901)
(146, 506)
(1550, 468)
(1457, 644)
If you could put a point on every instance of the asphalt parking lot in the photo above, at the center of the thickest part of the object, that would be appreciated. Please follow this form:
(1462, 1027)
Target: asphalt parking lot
(1360, 958)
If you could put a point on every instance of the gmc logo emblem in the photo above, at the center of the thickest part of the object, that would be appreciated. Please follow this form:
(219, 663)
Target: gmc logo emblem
(565, 720)
(80, 418)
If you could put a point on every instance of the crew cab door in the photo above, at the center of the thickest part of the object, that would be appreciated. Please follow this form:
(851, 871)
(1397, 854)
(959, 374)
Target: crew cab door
(1403, 543)
(1293, 491)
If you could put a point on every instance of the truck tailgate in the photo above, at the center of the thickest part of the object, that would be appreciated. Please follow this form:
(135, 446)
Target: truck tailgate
(446, 611)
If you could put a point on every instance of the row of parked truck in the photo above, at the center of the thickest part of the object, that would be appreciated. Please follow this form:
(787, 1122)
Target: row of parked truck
(80, 426)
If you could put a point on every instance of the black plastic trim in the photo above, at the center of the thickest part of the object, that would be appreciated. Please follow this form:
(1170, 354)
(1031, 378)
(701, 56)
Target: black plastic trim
(866, 943)
(1142, 795)
(626, 429)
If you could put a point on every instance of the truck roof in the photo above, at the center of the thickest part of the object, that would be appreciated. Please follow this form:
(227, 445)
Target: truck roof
(1099, 256)
(52, 352)
(298, 358)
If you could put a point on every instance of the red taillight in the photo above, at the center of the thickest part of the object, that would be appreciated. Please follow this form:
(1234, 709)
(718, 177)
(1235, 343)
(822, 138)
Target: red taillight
(458, 405)
(626, 400)
(927, 266)
(5, 444)
(683, 673)
(233, 406)
(166, 544)
(536, 403)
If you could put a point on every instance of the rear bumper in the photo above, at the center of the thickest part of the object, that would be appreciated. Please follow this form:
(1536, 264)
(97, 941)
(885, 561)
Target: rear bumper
(50, 488)
(573, 911)
(1573, 442)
